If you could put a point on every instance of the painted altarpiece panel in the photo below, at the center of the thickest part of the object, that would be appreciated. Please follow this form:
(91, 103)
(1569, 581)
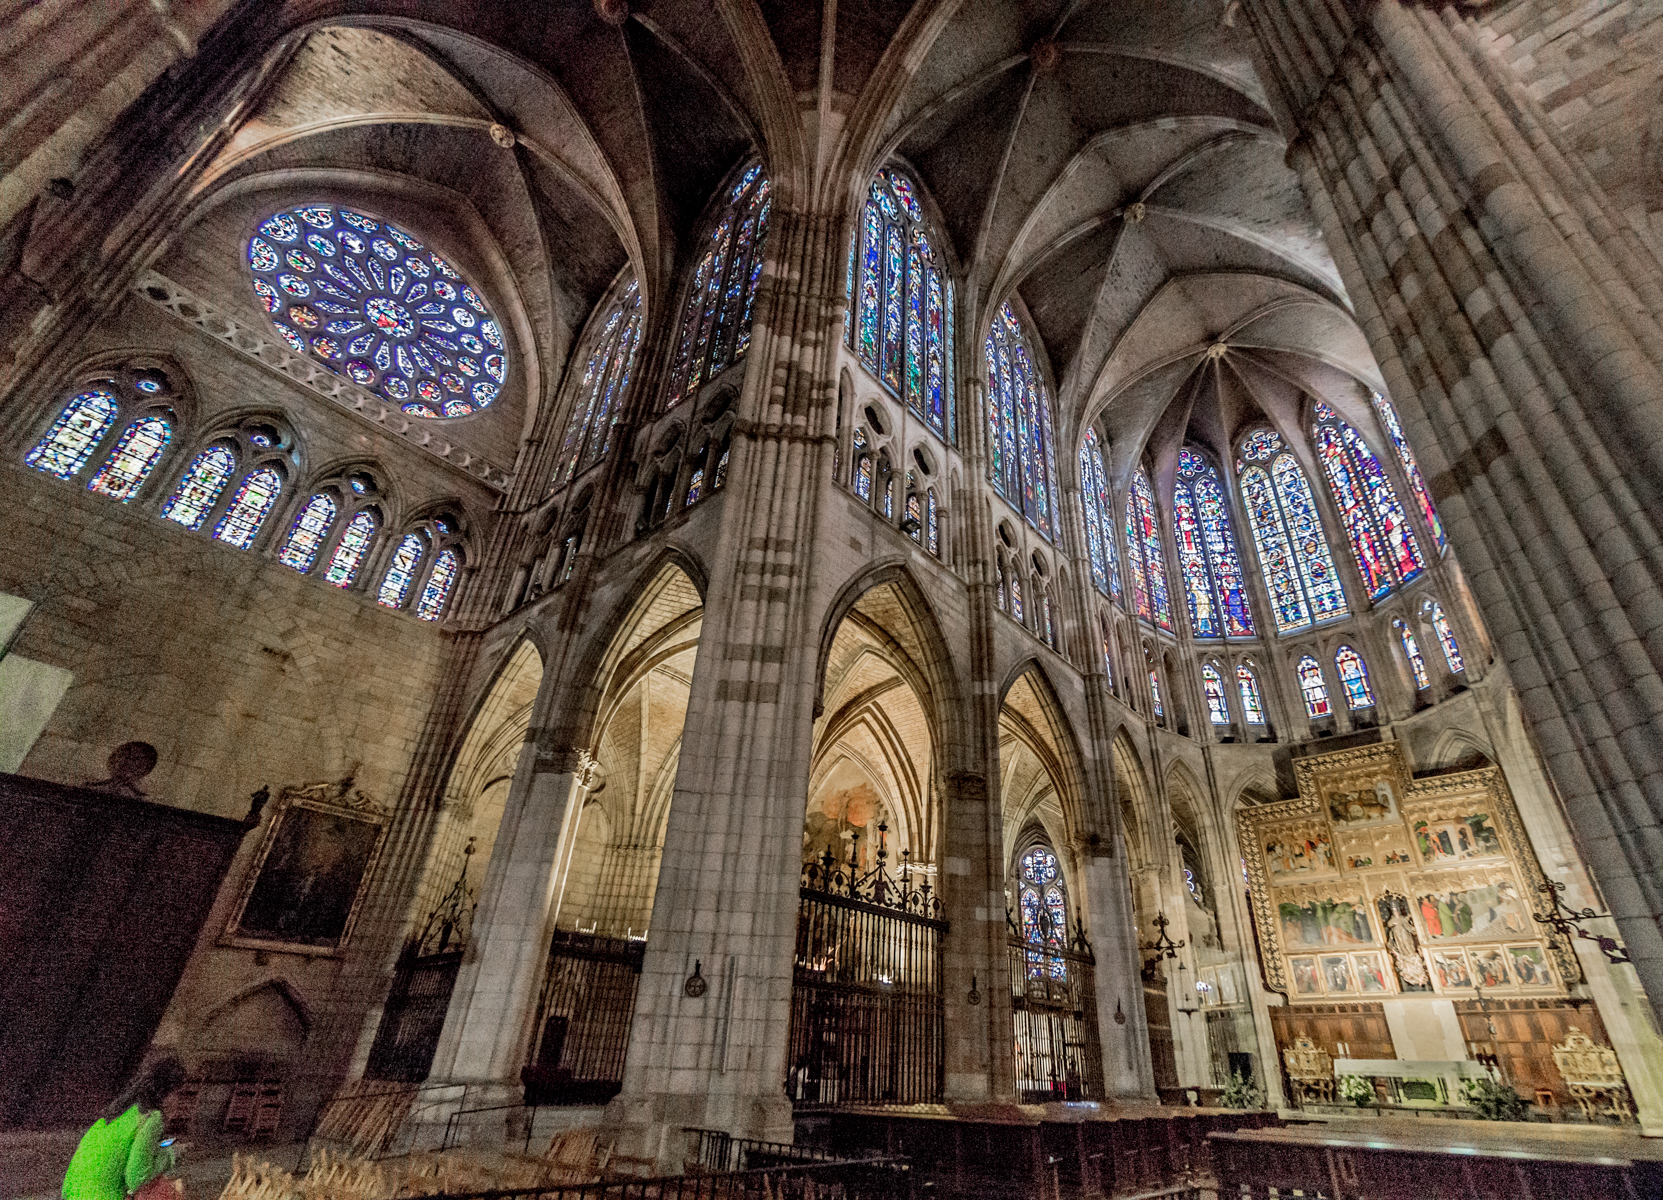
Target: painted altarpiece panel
(1371, 882)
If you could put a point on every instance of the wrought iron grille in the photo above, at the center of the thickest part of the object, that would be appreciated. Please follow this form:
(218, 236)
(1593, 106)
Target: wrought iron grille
(583, 1019)
(866, 1003)
(1054, 1002)
(413, 1017)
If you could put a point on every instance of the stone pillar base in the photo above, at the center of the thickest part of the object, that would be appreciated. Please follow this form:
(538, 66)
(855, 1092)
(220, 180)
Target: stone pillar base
(653, 1128)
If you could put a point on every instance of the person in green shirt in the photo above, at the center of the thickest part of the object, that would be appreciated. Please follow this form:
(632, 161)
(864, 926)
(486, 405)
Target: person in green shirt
(122, 1151)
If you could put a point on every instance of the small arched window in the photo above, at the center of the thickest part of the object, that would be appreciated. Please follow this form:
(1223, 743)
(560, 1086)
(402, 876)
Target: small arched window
(902, 307)
(863, 467)
(76, 433)
(1212, 683)
(441, 581)
(1046, 631)
(1411, 651)
(1042, 901)
(1022, 450)
(1247, 686)
(1207, 558)
(606, 372)
(1145, 555)
(1287, 531)
(1312, 687)
(1155, 692)
(401, 572)
(1354, 678)
(1099, 518)
(249, 506)
(308, 533)
(932, 524)
(1394, 431)
(1387, 553)
(350, 550)
(134, 457)
(1108, 648)
(716, 320)
(200, 487)
(914, 512)
(1446, 636)
(1016, 593)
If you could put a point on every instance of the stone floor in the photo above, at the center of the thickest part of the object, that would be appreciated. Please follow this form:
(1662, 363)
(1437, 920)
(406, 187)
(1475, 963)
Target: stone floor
(32, 1165)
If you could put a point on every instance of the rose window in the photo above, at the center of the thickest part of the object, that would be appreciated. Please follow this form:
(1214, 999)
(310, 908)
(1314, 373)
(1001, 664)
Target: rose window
(375, 305)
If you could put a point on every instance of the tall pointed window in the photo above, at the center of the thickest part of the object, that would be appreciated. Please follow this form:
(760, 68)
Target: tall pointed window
(1108, 649)
(932, 523)
(440, 581)
(1212, 683)
(1043, 905)
(1394, 431)
(1253, 710)
(716, 320)
(901, 309)
(1145, 559)
(1287, 532)
(248, 508)
(1354, 678)
(606, 371)
(401, 572)
(1207, 557)
(76, 433)
(1376, 525)
(200, 488)
(1312, 687)
(1411, 651)
(350, 550)
(1016, 592)
(1099, 510)
(1155, 692)
(1022, 452)
(308, 534)
(1446, 636)
(133, 458)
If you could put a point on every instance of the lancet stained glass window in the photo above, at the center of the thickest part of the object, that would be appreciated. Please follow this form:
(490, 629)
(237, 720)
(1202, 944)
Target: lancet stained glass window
(716, 319)
(1381, 537)
(901, 304)
(1022, 452)
(134, 457)
(1155, 691)
(1212, 684)
(309, 532)
(199, 489)
(932, 524)
(1287, 532)
(600, 393)
(863, 467)
(1108, 650)
(1247, 686)
(75, 434)
(248, 508)
(1312, 687)
(376, 306)
(1043, 905)
(1394, 430)
(431, 605)
(1099, 517)
(401, 572)
(1207, 557)
(1145, 558)
(350, 550)
(1446, 637)
(1354, 678)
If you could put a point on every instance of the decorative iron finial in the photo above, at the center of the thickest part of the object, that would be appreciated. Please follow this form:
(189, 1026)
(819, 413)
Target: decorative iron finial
(1163, 946)
(1567, 921)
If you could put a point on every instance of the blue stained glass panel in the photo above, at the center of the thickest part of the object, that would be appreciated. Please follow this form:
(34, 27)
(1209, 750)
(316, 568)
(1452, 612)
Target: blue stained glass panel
(134, 457)
(1148, 533)
(199, 490)
(401, 572)
(1411, 651)
(1394, 431)
(1275, 548)
(1316, 564)
(1248, 687)
(1155, 692)
(871, 283)
(935, 355)
(350, 550)
(248, 508)
(1212, 685)
(1446, 638)
(75, 434)
(1354, 678)
(605, 376)
(893, 268)
(1354, 516)
(1192, 564)
(913, 373)
(1312, 687)
(1220, 538)
(307, 535)
(431, 604)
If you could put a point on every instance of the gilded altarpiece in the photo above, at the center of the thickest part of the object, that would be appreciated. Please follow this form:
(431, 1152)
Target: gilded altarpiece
(1371, 884)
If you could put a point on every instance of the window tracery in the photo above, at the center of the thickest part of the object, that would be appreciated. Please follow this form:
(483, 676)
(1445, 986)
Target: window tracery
(600, 392)
(1354, 678)
(1022, 450)
(1145, 557)
(901, 308)
(1042, 902)
(1098, 506)
(715, 328)
(376, 306)
(1382, 540)
(1287, 532)
(1313, 688)
(1208, 561)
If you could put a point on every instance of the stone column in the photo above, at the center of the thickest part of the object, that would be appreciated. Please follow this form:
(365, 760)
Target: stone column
(1122, 1026)
(1515, 323)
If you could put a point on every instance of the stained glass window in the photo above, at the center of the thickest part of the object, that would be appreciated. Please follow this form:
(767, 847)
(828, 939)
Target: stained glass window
(600, 393)
(1144, 555)
(199, 489)
(248, 508)
(1046, 629)
(1313, 688)
(1099, 510)
(932, 524)
(309, 532)
(902, 303)
(915, 514)
(1354, 678)
(1446, 637)
(1108, 650)
(1287, 532)
(863, 467)
(1016, 594)
(401, 572)
(75, 434)
(374, 305)
(721, 479)
(1394, 430)
(1411, 651)
(1207, 559)
(716, 320)
(1381, 536)
(1022, 456)
(1043, 903)
(1155, 691)
(1247, 686)
(1212, 683)
(694, 486)
(350, 550)
(135, 455)
(432, 602)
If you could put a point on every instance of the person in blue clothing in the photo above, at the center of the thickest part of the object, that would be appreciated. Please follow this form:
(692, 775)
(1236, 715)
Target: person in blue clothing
(122, 1151)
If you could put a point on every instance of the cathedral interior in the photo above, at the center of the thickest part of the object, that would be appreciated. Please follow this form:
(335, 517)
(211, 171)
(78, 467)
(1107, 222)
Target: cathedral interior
(756, 565)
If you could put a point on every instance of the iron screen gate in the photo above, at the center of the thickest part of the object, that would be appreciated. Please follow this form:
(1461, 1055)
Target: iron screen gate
(1054, 1001)
(866, 1001)
(413, 1017)
(583, 1019)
